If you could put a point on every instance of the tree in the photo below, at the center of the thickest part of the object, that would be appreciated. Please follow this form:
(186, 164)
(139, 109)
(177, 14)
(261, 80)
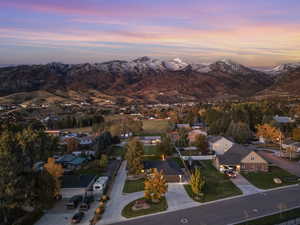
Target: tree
(269, 132)
(72, 144)
(201, 143)
(183, 140)
(103, 161)
(240, 131)
(197, 182)
(296, 134)
(166, 146)
(134, 156)
(56, 171)
(155, 186)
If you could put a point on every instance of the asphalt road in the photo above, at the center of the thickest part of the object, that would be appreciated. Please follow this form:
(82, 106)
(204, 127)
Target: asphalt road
(227, 211)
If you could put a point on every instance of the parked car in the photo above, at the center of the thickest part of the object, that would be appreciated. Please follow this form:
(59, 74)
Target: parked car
(74, 201)
(77, 217)
(230, 173)
(87, 200)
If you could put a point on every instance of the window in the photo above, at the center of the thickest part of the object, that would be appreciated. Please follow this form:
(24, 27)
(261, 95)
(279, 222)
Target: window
(252, 158)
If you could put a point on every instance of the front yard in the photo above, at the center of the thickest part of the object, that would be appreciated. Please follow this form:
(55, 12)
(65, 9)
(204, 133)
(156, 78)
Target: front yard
(217, 185)
(264, 180)
(131, 186)
(154, 208)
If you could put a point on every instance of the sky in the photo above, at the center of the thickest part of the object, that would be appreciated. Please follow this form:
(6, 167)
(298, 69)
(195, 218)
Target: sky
(255, 33)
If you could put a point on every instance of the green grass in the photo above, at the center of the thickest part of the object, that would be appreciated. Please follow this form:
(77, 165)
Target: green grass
(154, 208)
(217, 185)
(131, 186)
(117, 151)
(91, 168)
(264, 180)
(151, 150)
(155, 126)
(276, 218)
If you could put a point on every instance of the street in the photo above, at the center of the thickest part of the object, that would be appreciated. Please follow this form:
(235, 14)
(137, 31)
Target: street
(228, 211)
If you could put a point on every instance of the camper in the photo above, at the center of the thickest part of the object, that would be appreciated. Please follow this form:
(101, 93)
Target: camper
(100, 184)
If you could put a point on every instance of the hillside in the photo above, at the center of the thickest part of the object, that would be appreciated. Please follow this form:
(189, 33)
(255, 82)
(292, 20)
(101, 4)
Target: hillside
(143, 79)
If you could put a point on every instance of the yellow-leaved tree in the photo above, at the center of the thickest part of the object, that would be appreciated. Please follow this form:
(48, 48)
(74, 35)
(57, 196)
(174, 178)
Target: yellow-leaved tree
(56, 171)
(197, 183)
(269, 132)
(155, 186)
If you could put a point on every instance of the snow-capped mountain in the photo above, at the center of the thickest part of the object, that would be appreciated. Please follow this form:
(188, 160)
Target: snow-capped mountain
(144, 79)
(283, 68)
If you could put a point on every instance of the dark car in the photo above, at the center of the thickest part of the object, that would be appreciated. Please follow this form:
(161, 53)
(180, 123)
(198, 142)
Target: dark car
(87, 200)
(230, 173)
(74, 201)
(77, 217)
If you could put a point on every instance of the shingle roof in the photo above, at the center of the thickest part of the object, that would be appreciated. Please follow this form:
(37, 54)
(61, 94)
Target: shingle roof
(75, 181)
(234, 155)
(169, 167)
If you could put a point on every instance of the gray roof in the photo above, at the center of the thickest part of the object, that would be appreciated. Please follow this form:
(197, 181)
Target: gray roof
(234, 155)
(283, 119)
(75, 181)
(169, 167)
(213, 139)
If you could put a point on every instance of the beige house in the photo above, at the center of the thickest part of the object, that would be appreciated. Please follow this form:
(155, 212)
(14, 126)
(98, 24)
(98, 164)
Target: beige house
(242, 159)
(219, 144)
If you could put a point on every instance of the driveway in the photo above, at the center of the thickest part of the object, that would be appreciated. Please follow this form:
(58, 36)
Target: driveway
(244, 185)
(177, 197)
(290, 166)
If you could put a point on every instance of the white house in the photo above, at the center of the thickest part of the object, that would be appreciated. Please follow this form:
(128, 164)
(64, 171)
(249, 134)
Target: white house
(219, 144)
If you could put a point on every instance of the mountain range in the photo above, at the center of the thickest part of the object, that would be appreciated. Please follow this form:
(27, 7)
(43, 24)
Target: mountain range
(145, 80)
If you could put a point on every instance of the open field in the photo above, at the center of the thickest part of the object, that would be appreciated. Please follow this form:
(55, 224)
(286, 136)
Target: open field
(264, 180)
(217, 185)
(155, 126)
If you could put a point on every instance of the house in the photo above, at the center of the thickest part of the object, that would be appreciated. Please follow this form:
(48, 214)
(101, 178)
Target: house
(76, 184)
(85, 140)
(219, 144)
(71, 161)
(171, 170)
(292, 149)
(241, 159)
(55, 133)
(283, 119)
(183, 125)
(194, 133)
(150, 140)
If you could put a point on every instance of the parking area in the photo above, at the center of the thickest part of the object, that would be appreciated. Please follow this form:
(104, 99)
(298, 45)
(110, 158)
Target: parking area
(290, 166)
(60, 215)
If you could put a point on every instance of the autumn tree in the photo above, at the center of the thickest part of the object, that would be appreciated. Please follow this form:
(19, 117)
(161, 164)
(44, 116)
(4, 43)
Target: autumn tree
(56, 171)
(103, 161)
(197, 182)
(296, 134)
(201, 143)
(134, 156)
(155, 186)
(269, 132)
(72, 144)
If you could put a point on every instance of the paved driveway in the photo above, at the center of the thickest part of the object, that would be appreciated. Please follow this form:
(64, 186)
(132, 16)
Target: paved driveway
(290, 166)
(244, 185)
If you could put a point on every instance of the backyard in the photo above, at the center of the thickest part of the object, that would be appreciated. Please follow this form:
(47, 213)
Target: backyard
(264, 180)
(217, 185)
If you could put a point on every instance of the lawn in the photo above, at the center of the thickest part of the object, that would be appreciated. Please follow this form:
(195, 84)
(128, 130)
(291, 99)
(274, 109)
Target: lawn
(150, 150)
(131, 186)
(217, 185)
(154, 208)
(91, 168)
(276, 218)
(117, 151)
(155, 126)
(264, 180)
